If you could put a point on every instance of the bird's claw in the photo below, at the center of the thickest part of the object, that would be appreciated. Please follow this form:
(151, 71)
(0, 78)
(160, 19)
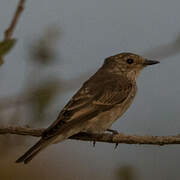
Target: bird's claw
(114, 132)
(116, 145)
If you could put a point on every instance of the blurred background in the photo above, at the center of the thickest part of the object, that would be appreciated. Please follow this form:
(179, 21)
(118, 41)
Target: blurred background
(61, 44)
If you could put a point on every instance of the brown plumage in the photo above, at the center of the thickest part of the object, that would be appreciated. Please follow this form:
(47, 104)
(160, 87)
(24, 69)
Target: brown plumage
(100, 101)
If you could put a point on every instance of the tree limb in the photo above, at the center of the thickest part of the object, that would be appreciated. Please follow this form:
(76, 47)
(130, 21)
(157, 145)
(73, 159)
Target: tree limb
(105, 137)
(8, 33)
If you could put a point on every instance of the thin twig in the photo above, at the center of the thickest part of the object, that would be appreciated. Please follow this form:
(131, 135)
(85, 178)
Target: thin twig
(8, 33)
(105, 137)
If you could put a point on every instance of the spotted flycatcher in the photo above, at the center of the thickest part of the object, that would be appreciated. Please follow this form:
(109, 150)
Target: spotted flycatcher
(100, 101)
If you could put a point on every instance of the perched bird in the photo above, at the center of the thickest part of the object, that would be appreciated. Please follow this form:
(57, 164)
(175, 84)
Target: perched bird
(100, 101)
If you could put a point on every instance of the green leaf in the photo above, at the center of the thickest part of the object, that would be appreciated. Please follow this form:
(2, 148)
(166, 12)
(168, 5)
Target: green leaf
(6, 46)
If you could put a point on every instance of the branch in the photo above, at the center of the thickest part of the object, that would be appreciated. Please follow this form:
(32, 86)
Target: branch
(105, 137)
(8, 33)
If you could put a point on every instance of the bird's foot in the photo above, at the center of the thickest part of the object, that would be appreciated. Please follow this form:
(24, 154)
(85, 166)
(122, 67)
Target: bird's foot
(116, 145)
(114, 132)
(94, 143)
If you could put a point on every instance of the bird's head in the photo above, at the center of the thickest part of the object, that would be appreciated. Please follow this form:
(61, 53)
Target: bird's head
(128, 64)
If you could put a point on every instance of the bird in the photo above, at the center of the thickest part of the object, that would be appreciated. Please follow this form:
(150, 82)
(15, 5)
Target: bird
(101, 100)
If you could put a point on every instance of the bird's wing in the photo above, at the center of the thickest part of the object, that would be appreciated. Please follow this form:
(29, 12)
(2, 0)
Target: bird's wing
(89, 101)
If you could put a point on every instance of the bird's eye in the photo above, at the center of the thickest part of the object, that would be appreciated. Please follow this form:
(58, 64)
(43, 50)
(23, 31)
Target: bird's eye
(129, 61)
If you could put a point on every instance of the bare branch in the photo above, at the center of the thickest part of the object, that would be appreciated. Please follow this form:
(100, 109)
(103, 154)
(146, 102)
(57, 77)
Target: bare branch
(105, 137)
(8, 33)
(21, 131)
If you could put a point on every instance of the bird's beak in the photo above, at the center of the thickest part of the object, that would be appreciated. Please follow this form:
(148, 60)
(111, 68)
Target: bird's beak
(150, 62)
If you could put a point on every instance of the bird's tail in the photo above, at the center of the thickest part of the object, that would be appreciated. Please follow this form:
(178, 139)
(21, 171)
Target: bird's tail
(44, 142)
(34, 150)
